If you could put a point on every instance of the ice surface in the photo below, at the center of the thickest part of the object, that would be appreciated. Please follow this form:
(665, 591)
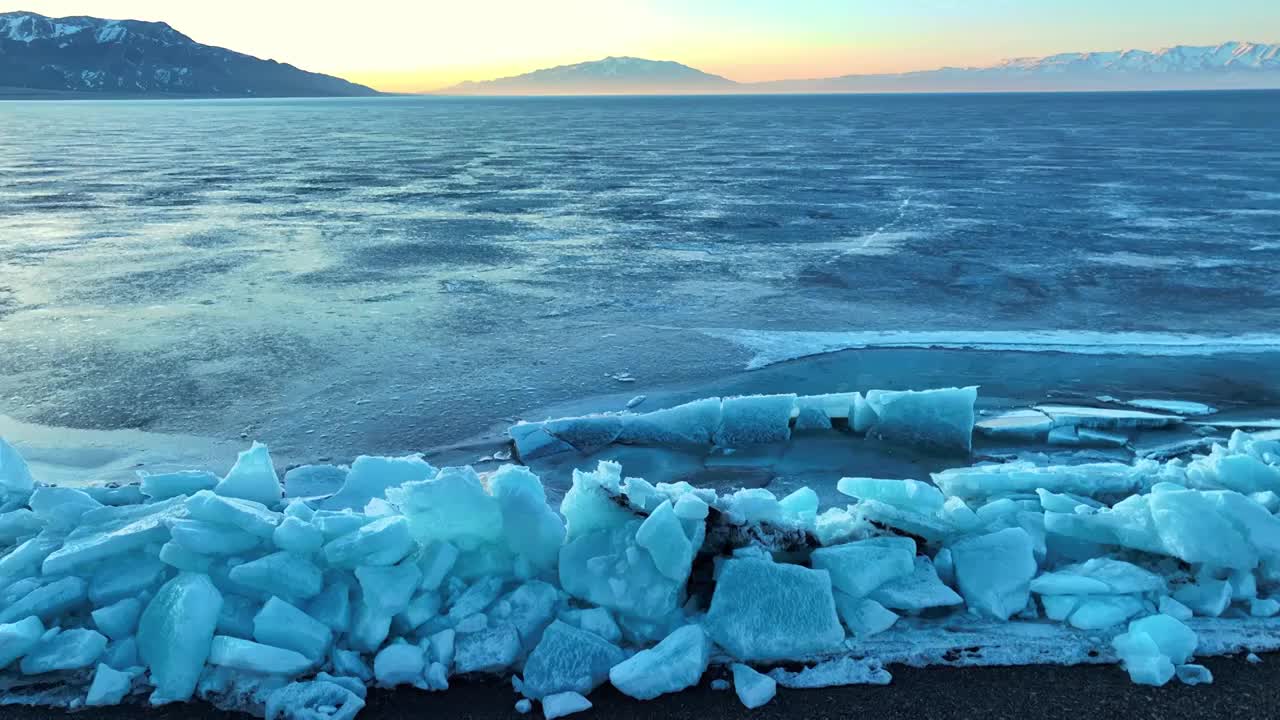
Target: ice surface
(672, 665)
(766, 611)
(906, 494)
(753, 689)
(939, 420)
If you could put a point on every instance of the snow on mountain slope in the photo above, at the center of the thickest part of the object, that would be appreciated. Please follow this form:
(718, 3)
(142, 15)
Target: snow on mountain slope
(133, 57)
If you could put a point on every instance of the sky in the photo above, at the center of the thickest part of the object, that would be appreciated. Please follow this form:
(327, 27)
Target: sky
(409, 46)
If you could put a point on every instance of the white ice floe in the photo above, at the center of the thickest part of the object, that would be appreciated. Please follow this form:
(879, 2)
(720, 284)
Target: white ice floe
(227, 590)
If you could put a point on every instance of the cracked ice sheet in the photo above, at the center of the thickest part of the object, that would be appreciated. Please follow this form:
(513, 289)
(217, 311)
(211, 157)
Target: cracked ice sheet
(775, 346)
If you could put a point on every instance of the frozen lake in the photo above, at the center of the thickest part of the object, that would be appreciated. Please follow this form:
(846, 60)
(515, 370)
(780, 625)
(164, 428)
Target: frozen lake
(384, 275)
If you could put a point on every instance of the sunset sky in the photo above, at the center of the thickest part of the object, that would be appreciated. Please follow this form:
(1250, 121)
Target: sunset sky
(400, 45)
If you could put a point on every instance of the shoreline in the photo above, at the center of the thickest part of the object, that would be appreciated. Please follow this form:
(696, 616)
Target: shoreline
(1050, 692)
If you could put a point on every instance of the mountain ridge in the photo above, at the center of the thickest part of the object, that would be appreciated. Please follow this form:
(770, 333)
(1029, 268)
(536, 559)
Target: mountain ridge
(1232, 64)
(90, 56)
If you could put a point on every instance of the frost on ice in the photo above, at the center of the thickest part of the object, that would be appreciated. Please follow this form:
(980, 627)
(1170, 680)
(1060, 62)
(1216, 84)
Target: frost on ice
(291, 604)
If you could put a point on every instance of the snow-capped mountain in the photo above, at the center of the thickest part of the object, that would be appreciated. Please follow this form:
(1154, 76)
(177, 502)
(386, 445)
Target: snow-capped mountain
(1179, 59)
(612, 75)
(1182, 67)
(131, 57)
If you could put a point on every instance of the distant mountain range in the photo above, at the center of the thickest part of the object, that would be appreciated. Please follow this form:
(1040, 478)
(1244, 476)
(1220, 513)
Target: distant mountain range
(1231, 65)
(92, 57)
(87, 56)
(617, 75)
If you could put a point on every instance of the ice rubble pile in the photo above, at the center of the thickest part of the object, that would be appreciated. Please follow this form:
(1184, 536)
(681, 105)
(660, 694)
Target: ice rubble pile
(938, 420)
(194, 585)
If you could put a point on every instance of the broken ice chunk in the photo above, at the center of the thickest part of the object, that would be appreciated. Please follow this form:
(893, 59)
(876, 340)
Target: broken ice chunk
(242, 654)
(859, 567)
(755, 420)
(15, 476)
(674, 664)
(864, 617)
(921, 590)
(370, 477)
(383, 538)
(175, 634)
(398, 664)
(907, 494)
(492, 650)
(119, 620)
(567, 658)
(663, 536)
(315, 700)
(691, 424)
(283, 625)
(162, 486)
(1194, 674)
(815, 412)
(17, 639)
(253, 477)
(47, 602)
(109, 686)
(291, 577)
(1072, 436)
(1090, 480)
(1016, 425)
(210, 538)
(994, 571)
(754, 690)
(453, 506)
(938, 420)
(562, 704)
(766, 611)
(1105, 418)
(834, 673)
